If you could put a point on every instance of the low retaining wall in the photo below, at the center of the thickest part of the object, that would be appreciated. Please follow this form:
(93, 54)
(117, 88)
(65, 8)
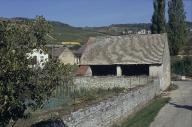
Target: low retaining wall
(108, 82)
(108, 112)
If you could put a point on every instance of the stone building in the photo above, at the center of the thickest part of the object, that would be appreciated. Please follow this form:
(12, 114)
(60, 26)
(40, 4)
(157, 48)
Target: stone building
(64, 54)
(128, 55)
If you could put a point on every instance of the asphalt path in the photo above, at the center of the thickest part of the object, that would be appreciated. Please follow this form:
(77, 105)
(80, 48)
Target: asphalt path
(178, 112)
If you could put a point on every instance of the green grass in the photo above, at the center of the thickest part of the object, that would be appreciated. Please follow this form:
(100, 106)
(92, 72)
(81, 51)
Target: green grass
(144, 117)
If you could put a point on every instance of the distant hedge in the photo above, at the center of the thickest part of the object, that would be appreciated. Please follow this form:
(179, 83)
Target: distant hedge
(182, 67)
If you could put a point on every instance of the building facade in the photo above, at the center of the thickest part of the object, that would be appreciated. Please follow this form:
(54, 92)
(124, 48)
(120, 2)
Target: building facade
(38, 58)
(130, 55)
(64, 54)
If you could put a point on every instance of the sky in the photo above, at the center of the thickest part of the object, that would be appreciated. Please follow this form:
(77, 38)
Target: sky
(85, 12)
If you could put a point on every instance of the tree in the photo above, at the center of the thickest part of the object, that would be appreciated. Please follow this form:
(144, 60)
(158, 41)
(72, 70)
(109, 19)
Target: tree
(154, 26)
(158, 19)
(12, 68)
(161, 16)
(22, 87)
(177, 29)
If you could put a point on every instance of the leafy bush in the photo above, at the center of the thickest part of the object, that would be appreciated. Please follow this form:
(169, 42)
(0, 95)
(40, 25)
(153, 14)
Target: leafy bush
(22, 87)
(182, 67)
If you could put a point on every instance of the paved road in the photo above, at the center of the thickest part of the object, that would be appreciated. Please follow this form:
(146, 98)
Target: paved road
(177, 113)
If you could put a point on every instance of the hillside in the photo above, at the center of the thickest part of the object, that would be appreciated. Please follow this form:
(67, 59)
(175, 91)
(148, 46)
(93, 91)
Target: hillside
(63, 32)
(59, 32)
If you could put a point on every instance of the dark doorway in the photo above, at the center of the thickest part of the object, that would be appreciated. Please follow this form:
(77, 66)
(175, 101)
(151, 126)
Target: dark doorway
(103, 70)
(135, 70)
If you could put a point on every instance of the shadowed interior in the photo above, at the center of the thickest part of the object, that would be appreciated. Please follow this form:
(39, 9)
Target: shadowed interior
(127, 70)
(103, 70)
(135, 70)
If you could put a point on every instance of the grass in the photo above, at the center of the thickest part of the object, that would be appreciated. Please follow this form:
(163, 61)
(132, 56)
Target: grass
(93, 96)
(144, 117)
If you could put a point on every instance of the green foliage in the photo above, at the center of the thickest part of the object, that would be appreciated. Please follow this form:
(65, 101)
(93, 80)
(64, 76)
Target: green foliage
(161, 17)
(40, 29)
(13, 71)
(177, 28)
(158, 19)
(154, 26)
(182, 67)
(22, 87)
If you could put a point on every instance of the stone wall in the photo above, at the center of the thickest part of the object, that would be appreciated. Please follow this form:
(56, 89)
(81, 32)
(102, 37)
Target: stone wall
(155, 70)
(109, 82)
(166, 71)
(67, 57)
(114, 109)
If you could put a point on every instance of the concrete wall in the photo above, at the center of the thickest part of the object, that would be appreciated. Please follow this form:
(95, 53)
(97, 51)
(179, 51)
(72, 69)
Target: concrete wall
(114, 109)
(163, 72)
(166, 69)
(107, 82)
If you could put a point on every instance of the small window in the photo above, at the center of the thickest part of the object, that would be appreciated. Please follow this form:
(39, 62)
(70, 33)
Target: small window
(42, 57)
(34, 60)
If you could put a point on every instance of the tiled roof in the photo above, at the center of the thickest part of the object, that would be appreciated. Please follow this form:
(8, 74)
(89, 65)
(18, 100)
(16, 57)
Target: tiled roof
(83, 47)
(127, 49)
